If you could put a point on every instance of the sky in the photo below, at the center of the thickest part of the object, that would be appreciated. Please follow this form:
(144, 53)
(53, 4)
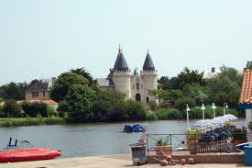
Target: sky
(40, 39)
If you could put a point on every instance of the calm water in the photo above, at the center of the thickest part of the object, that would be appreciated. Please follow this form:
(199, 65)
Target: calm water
(86, 140)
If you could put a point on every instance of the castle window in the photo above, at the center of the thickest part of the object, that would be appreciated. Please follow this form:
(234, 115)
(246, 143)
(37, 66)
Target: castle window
(138, 97)
(147, 99)
(137, 86)
(44, 93)
(35, 94)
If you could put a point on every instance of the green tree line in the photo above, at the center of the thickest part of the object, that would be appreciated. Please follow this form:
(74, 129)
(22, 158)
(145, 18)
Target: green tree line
(82, 100)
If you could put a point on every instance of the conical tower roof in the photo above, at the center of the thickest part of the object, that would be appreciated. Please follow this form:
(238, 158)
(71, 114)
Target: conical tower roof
(120, 64)
(148, 63)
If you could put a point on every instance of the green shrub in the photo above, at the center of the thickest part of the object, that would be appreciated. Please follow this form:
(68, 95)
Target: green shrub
(12, 122)
(151, 116)
(11, 109)
(135, 110)
(180, 103)
(169, 114)
(51, 111)
(35, 109)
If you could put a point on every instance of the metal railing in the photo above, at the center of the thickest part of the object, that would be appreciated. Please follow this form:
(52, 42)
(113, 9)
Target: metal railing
(180, 142)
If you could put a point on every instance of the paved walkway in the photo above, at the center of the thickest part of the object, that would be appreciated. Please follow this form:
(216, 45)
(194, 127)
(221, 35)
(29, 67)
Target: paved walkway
(115, 161)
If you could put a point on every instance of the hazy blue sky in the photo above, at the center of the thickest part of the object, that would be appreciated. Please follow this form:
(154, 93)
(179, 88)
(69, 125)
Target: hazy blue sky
(40, 39)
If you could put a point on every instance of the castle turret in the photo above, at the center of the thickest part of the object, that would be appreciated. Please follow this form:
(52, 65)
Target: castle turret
(121, 75)
(149, 77)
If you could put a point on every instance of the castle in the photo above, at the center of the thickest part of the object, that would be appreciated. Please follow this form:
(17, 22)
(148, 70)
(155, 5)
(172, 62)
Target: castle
(134, 86)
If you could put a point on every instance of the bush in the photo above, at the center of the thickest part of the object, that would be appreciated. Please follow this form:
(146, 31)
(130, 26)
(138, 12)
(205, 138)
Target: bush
(151, 116)
(118, 113)
(51, 111)
(35, 109)
(135, 110)
(11, 109)
(180, 104)
(170, 114)
(12, 122)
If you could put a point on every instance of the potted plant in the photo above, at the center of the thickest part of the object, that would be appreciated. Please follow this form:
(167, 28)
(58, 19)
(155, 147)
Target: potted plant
(163, 146)
(192, 140)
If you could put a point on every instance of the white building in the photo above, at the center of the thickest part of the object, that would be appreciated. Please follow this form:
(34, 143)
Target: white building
(135, 86)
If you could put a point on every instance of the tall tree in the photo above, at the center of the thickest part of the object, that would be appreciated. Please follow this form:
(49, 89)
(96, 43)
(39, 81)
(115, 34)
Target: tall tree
(225, 87)
(188, 76)
(84, 73)
(64, 82)
(78, 103)
(15, 91)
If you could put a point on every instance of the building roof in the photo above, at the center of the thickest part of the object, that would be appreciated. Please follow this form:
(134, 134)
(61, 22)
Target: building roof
(103, 82)
(148, 63)
(246, 90)
(38, 85)
(120, 64)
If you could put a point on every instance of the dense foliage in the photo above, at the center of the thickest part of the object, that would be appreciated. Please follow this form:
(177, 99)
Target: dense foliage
(81, 100)
(15, 91)
(35, 109)
(63, 83)
(11, 109)
(189, 87)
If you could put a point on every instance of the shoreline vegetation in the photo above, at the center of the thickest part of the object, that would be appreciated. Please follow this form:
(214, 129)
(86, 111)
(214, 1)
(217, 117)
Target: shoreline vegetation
(28, 121)
(159, 115)
(81, 100)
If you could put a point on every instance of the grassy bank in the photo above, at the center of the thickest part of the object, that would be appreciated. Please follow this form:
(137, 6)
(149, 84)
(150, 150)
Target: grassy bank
(12, 122)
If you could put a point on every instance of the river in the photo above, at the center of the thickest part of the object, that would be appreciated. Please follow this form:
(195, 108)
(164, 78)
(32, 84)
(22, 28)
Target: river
(88, 139)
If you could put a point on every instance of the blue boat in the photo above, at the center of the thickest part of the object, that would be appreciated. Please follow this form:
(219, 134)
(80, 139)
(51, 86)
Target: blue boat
(133, 128)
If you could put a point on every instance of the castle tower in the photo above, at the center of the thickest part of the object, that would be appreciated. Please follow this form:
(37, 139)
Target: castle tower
(121, 75)
(149, 77)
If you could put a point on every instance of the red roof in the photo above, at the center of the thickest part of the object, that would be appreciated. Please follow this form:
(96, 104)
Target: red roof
(246, 90)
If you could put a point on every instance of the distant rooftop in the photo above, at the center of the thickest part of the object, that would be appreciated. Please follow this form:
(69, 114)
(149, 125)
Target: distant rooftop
(120, 64)
(148, 63)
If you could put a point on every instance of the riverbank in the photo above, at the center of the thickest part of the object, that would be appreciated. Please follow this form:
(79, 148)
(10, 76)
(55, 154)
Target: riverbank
(27, 121)
(112, 161)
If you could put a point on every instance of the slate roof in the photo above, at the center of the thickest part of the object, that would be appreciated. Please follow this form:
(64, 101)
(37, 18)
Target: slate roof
(38, 85)
(148, 63)
(120, 64)
(246, 90)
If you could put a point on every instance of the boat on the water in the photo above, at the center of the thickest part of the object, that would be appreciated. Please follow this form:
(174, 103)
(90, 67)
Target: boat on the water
(13, 153)
(133, 128)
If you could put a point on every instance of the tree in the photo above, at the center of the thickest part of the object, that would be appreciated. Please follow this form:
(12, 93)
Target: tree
(249, 65)
(104, 104)
(14, 91)
(181, 103)
(197, 92)
(135, 110)
(188, 76)
(35, 109)
(165, 83)
(84, 73)
(63, 83)
(78, 103)
(225, 87)
(11, 109)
